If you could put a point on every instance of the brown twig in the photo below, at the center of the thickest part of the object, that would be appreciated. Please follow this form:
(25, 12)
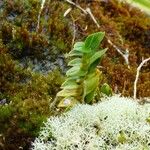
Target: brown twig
(74, 30)
(88, 10)
(78, 6)
(39, 16)
(124, 55)
(137, 76)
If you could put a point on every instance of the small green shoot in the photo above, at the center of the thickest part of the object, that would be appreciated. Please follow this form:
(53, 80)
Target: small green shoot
(83, 77)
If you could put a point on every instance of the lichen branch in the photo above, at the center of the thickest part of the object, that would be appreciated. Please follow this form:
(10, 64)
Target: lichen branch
(137, 76)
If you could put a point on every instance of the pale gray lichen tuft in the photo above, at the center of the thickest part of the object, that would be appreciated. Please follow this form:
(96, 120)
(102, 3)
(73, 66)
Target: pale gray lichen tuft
(116, 123)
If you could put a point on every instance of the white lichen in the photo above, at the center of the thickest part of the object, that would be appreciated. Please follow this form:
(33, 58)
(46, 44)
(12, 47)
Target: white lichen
(98, 127)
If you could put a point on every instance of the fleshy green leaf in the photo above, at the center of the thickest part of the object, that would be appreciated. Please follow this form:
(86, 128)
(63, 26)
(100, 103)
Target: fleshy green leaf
(73, 78)
(95, 60)
(106, 89)
(75, 62)
(70, 84)
(78, 46)
(91, 83)
(92, 42)
(67, 82)
(67, 93)
(75, 71)
(88, 98)
(75, 53)
(97, 55)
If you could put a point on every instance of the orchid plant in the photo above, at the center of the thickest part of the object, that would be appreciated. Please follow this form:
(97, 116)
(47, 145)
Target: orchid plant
(83, 77)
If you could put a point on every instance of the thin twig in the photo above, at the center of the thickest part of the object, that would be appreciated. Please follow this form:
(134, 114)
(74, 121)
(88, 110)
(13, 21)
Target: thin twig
(78, 6)
(137, 76)
(88, 10)
(39, 16)
(74, 31)
(125, 56)
(67, 12)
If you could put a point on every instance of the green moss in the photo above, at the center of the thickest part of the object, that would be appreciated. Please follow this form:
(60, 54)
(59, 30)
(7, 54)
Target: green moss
(32, 125)
(28, 95)
(5, 113)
